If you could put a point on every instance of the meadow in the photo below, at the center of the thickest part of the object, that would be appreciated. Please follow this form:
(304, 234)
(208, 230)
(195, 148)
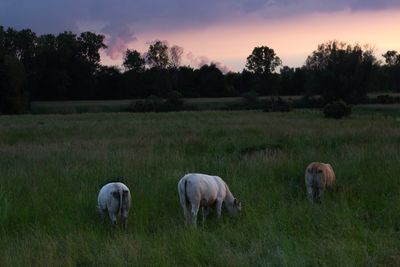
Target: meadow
(52, 166)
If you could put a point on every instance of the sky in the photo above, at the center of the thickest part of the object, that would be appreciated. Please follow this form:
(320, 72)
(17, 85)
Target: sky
(220, 31)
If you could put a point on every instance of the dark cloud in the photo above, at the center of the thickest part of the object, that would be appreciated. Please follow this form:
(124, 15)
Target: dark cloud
(56, 16)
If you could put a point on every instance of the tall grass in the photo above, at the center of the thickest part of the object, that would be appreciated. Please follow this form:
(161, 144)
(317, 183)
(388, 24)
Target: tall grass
(52, 166)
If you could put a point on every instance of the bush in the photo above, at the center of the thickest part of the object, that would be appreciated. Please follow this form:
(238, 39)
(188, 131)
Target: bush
(309, 102)
(250, 98)
(387, 99)
(337, 110)
(278, 105)
(173, 102)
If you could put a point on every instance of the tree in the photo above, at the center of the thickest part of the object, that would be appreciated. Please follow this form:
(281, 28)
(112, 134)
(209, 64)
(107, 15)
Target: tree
(89, 46)
(13, 96)
(133, 61)
(341, 71)
(292, 81)
(175, 54)
(209, 81)
(108, 83)
(392, 58)
(263, 60)
(157, 55)
(391, 71)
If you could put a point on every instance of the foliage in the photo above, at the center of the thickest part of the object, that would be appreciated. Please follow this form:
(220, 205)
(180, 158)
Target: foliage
(251, 99)
(292, 81)
(390, 77)
(173, 102)
(337, 110)
(263, 60)
(387, 99)
(175, 56)
(157, 55)
(309, 102)
(392, 58)
(277, 105)
(13, 96)
(66, 66)
(209, 81)
(341, 71)
(133, 61)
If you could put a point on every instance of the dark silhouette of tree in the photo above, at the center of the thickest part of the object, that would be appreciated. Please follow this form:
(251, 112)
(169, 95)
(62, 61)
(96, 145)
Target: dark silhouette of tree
(209, 81)
(13, 96)
(133, 61)
(263, 60)
(89, 46)
(175, 56)
(292, 81)
(157, 55)
(108, 84)
(390, 72)
(67, 66)
(184, 81)
(341, 71)
(392, 58)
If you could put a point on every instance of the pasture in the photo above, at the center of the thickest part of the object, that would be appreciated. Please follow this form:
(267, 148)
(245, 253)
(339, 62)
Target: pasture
(52, 166)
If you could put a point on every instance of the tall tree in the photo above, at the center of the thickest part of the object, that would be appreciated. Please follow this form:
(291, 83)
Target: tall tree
(209, 81)
(13, 96)
(263, 60)
(392, 58)
(175, 55)
(157, 55)
(89, 45)
(341, 71)
(391, 71)
(133, 61)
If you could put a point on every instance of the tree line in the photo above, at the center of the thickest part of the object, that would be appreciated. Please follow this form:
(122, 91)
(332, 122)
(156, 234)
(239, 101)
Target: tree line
(67, 67)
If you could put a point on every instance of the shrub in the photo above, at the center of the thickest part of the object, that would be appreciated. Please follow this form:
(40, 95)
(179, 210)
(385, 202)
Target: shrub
(250, 99)
(309, 102)
(174, 101)
(387, 99)
(337, 110)
(278, 105)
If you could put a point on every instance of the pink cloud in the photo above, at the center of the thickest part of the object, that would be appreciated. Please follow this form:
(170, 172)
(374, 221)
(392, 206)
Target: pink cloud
(199, 61)
(117, 40)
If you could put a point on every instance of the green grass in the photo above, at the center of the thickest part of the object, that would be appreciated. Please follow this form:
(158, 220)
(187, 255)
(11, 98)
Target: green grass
(96, 106)
(52, 166)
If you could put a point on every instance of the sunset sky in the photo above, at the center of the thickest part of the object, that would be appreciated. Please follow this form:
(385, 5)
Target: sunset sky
(220, 31)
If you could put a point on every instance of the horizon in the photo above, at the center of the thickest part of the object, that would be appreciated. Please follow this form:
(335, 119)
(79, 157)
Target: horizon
(223, 33)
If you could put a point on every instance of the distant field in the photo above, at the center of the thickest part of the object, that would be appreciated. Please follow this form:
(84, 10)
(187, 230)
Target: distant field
(69, 107)
(96, 106)
(52, 166)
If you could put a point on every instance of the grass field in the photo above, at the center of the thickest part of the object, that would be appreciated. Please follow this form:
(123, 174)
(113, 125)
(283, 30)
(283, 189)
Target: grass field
(95, 106)
(52, 166)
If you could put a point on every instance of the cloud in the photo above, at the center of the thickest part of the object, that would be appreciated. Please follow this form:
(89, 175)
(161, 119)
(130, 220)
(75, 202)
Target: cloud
(125, 20)
(117, 40)
(199, 61)
(142, 15)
